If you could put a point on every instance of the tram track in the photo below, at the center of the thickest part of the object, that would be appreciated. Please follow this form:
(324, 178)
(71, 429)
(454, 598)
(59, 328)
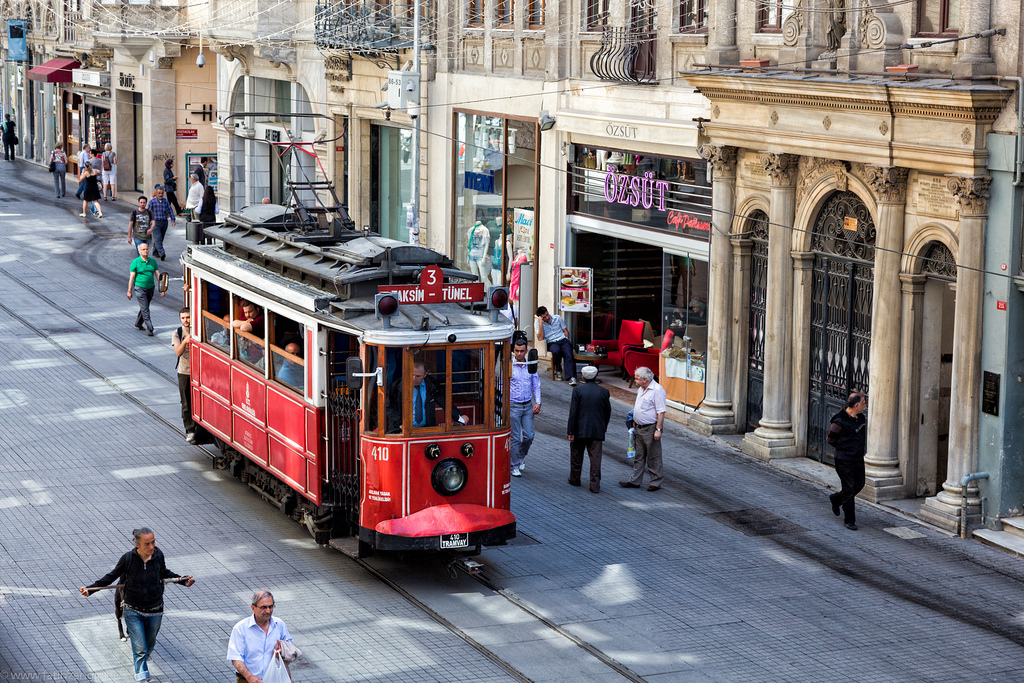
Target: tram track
(369, 569)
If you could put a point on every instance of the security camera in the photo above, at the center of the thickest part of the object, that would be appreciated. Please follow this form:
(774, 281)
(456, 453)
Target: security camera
(201, 60)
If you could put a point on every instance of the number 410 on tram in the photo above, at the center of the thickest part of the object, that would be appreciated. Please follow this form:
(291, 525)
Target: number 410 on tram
(356, 382)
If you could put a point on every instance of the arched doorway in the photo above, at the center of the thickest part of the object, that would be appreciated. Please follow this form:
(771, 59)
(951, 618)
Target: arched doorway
(841, 294)
(757, 228)
(937, 310)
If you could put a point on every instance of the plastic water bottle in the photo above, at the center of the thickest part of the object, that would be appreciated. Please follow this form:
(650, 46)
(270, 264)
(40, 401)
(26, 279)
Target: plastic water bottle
(631, 451)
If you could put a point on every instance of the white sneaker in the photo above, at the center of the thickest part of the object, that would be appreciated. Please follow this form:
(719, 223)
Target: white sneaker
(572, 382)
(522, 467)
(190, 437)
(516, 472)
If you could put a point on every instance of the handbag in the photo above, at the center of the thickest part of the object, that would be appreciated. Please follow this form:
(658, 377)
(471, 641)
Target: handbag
(277, 672)
(53, 166)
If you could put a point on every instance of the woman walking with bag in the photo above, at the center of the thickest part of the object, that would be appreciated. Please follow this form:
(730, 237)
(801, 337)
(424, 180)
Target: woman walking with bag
(171, 186)
(109, 168)
(92, 190)
(59, 169)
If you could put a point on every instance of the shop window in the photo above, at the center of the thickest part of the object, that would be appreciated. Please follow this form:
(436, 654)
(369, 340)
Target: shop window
(249, 328)
(693, 16)
(286, 352)
(938, 18)
(535, 11)
(504, 11)
(216, 317)
(669, 195)
(596, 14)
(685, 342)
(769, 16)
(475, 13)
(390, 184)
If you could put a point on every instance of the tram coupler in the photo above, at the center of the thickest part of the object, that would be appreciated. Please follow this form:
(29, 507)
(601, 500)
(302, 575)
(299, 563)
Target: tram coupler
(465, 564)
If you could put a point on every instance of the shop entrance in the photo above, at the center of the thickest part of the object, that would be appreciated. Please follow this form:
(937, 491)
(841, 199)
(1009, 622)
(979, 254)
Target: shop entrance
(842, 285)
(757, 226)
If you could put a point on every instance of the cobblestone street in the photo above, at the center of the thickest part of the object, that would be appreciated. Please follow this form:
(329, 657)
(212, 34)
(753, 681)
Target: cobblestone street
(733, 571)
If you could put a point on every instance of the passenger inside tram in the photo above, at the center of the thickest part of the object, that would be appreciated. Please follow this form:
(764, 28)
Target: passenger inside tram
(428, 401)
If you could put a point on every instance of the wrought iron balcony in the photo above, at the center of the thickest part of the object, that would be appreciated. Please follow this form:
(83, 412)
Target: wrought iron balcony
(368, 26)
(625, 55)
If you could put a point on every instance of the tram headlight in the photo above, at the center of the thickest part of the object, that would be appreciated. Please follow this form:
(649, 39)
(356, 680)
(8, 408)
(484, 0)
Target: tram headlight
(449, 477)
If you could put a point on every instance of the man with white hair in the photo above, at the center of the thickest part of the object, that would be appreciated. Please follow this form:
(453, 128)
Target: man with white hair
(255, 639)
(590, 408)
(648, 417)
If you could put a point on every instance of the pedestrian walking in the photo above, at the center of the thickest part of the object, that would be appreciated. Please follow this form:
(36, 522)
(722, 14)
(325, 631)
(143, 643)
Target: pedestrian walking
(143, 275)
(525, 403)
(590, 408)
(256, 639)
(649, 410)
(143, 571)
(552, 329)
(83, 163)
(180, 342)
(140, 224)
(59, 169)
(108, 165)
(10, 137)
(162, 212)
(195, 193)
(91, 193)
(848, 435)
(171, 186)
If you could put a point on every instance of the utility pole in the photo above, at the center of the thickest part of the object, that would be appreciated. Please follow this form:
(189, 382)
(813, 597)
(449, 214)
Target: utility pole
(414, 111)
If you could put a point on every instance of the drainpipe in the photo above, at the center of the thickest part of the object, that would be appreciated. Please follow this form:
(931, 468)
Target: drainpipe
(964, 481)
(1019, 158)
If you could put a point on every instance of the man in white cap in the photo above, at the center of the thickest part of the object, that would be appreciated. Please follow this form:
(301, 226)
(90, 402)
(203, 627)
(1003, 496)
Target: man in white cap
(590, 408)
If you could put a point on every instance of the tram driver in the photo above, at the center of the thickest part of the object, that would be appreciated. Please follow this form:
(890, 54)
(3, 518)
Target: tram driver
(426, 398)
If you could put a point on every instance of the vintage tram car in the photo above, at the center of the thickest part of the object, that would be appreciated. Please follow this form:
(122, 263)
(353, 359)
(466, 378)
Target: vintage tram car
(354, 381)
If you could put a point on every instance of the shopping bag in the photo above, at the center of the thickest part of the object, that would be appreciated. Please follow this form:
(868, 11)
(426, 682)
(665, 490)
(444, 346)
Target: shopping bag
(276, 672)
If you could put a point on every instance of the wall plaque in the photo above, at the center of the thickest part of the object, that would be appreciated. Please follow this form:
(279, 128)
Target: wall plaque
(933, 198)
(990, 393)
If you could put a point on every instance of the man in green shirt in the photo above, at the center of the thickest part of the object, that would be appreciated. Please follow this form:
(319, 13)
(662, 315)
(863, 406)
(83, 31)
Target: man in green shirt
(143, 274)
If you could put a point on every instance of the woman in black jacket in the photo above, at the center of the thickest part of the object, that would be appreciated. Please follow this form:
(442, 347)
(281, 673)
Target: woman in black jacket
(208, 209)
(143, 573)
(10, 137)
(171, 186)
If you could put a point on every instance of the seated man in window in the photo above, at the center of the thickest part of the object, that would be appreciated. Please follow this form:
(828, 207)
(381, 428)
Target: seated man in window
(290, 372)
(426, 398)
(251, 320)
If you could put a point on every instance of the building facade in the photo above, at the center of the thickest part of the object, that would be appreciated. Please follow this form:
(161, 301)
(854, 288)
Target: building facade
(872, 225)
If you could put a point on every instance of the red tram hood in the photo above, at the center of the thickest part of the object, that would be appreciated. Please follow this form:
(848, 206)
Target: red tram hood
(446, 519)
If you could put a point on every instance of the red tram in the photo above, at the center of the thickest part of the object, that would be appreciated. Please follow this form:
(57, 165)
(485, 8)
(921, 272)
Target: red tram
(347, 379)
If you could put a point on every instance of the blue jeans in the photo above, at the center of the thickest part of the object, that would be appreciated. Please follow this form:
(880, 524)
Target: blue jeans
(59, 174)
(142, 629)
(561, 352)
(522, 431)
(159, 230)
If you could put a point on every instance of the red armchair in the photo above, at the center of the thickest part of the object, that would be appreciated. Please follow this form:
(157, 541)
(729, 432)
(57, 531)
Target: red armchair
(631, 335)
(635, 358)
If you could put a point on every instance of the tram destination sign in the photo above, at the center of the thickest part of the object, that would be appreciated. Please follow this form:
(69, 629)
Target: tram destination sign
(433, 290)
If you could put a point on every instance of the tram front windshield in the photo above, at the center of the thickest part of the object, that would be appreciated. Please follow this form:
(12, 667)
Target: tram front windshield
(432, 389)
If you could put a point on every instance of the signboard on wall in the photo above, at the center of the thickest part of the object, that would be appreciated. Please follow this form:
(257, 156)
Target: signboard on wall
(522, 231)
(187, 133)
(574, 289)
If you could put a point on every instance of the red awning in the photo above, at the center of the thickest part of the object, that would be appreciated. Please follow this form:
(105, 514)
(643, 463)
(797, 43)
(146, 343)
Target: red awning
(54, 71)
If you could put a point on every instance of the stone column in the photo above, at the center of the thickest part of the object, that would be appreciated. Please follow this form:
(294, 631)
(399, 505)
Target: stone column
(881, 464)
(722, 48)
(803, 275)
(774, 438)
(973, 56)
(716, 413)
(741, 249)
(971, 193)
(910, 379)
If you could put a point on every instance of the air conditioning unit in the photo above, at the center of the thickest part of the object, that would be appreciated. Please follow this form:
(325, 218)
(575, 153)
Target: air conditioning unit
(138, 2)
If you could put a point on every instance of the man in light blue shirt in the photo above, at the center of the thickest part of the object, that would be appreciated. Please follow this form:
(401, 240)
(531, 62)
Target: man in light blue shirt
(555, 333)
(525, 403)
(255, 639)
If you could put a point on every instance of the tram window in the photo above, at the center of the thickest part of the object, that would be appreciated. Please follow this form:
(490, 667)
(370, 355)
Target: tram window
(248, 326)
(371, 393)
(500, 382)
(286, 337)
(394, 407)
(215, 309)
(468, 381)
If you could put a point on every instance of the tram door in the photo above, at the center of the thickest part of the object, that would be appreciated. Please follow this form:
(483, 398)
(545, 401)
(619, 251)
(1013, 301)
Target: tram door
(842, 288)
(757, 226)
(342, 433)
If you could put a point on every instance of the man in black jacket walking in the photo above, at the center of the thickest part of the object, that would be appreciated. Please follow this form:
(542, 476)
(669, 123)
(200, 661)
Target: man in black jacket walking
(848, 434)
(143, 571)
(589, 411)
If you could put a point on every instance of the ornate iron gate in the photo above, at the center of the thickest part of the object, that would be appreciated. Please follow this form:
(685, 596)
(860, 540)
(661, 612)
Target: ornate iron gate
(341, 431)
(757, 224)
(842, 288)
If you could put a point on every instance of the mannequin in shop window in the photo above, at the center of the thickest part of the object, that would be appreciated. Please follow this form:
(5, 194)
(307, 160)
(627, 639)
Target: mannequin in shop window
(514, 272)
(479, 241)
(495, 274)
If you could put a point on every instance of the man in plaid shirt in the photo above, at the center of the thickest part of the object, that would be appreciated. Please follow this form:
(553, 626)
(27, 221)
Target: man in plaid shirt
(162, 212)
